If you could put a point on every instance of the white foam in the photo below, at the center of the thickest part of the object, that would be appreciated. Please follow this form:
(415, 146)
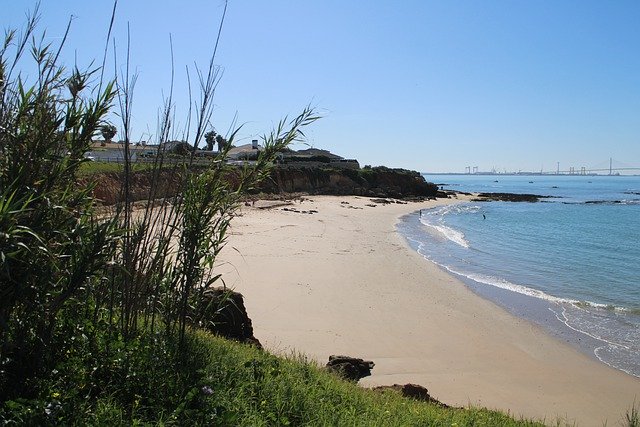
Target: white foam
(434, 220)
(616, 363)
(454, 208)
(454, 235)
(565, 320)
(609, 346)
(505, 284)
(459, 238)
(501, 283)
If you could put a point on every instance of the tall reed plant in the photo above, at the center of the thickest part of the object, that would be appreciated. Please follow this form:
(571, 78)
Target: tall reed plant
(73, 272)
(52, 246)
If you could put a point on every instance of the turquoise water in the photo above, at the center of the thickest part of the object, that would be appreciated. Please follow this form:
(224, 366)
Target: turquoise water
(570, 263)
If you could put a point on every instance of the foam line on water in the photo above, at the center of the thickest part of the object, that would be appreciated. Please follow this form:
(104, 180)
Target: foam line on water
(455, 236)
(563, 317)
(608, 345)
(597, 352)
(433, 219)
(565, 320)
(505, 284)
(494, 281)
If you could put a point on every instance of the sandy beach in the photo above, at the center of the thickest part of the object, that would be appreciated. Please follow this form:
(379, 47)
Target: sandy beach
(341, 280)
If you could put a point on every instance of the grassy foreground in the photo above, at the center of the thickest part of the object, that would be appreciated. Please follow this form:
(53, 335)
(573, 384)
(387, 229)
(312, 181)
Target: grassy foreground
(215, 382)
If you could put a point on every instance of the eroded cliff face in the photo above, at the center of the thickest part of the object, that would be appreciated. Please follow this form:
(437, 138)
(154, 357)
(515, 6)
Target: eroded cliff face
(374, 182)
(377, 182)
(109, 186)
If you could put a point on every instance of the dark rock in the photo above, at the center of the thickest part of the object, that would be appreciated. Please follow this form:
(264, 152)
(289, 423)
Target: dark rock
(509, 197)
(412, 391)
(382, 201)
(222, 312)
(350, 368)
(603, 202)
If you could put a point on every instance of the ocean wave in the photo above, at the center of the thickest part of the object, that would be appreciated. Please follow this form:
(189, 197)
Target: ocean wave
(458, 237)
(604, 202)
(619, 358)
(563, 317)
(455, 236)
(607, 307)
(615, 328)
(440, 212)
(434, 219)
(618, 351)
(505, 284)
(525, 290)
(492, 280)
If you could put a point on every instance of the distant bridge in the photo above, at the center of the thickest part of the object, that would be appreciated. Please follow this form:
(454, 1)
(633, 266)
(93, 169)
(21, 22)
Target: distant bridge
(609, 167)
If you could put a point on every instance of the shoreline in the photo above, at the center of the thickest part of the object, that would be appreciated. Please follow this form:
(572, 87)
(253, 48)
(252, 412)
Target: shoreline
(344, 280)
(542, 310)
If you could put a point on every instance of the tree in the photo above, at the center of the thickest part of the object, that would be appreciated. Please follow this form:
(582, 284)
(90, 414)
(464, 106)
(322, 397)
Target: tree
(210, 137)
(108, 132)
(182, 148)
(222, 142)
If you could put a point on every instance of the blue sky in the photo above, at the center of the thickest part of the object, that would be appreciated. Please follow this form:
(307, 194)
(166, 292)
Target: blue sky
(428, 85)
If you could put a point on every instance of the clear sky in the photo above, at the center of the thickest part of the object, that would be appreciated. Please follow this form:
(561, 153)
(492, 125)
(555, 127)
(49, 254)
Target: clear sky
(429, 85)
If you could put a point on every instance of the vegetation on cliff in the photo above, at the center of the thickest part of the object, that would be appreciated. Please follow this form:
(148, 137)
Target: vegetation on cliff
(373, 182)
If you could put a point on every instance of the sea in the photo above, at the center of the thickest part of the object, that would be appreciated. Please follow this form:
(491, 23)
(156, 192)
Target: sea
(569, 263)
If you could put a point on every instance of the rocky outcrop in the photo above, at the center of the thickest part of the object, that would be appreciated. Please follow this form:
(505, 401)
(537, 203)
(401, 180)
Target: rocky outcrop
(350, 368)
(222, 312)
(412, 391)
(508, 197)
(371, 182)
(378, 182)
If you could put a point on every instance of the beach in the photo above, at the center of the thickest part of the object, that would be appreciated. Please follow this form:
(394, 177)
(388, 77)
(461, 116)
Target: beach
(331, 275)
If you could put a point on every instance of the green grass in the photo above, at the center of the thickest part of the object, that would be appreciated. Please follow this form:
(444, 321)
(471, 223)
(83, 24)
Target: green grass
(90, 168)
(267, 390)
(96, 167)
(219, 382)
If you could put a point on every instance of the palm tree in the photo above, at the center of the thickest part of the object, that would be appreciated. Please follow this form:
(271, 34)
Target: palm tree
(108, 132)
(210, 137)
(222, 142)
